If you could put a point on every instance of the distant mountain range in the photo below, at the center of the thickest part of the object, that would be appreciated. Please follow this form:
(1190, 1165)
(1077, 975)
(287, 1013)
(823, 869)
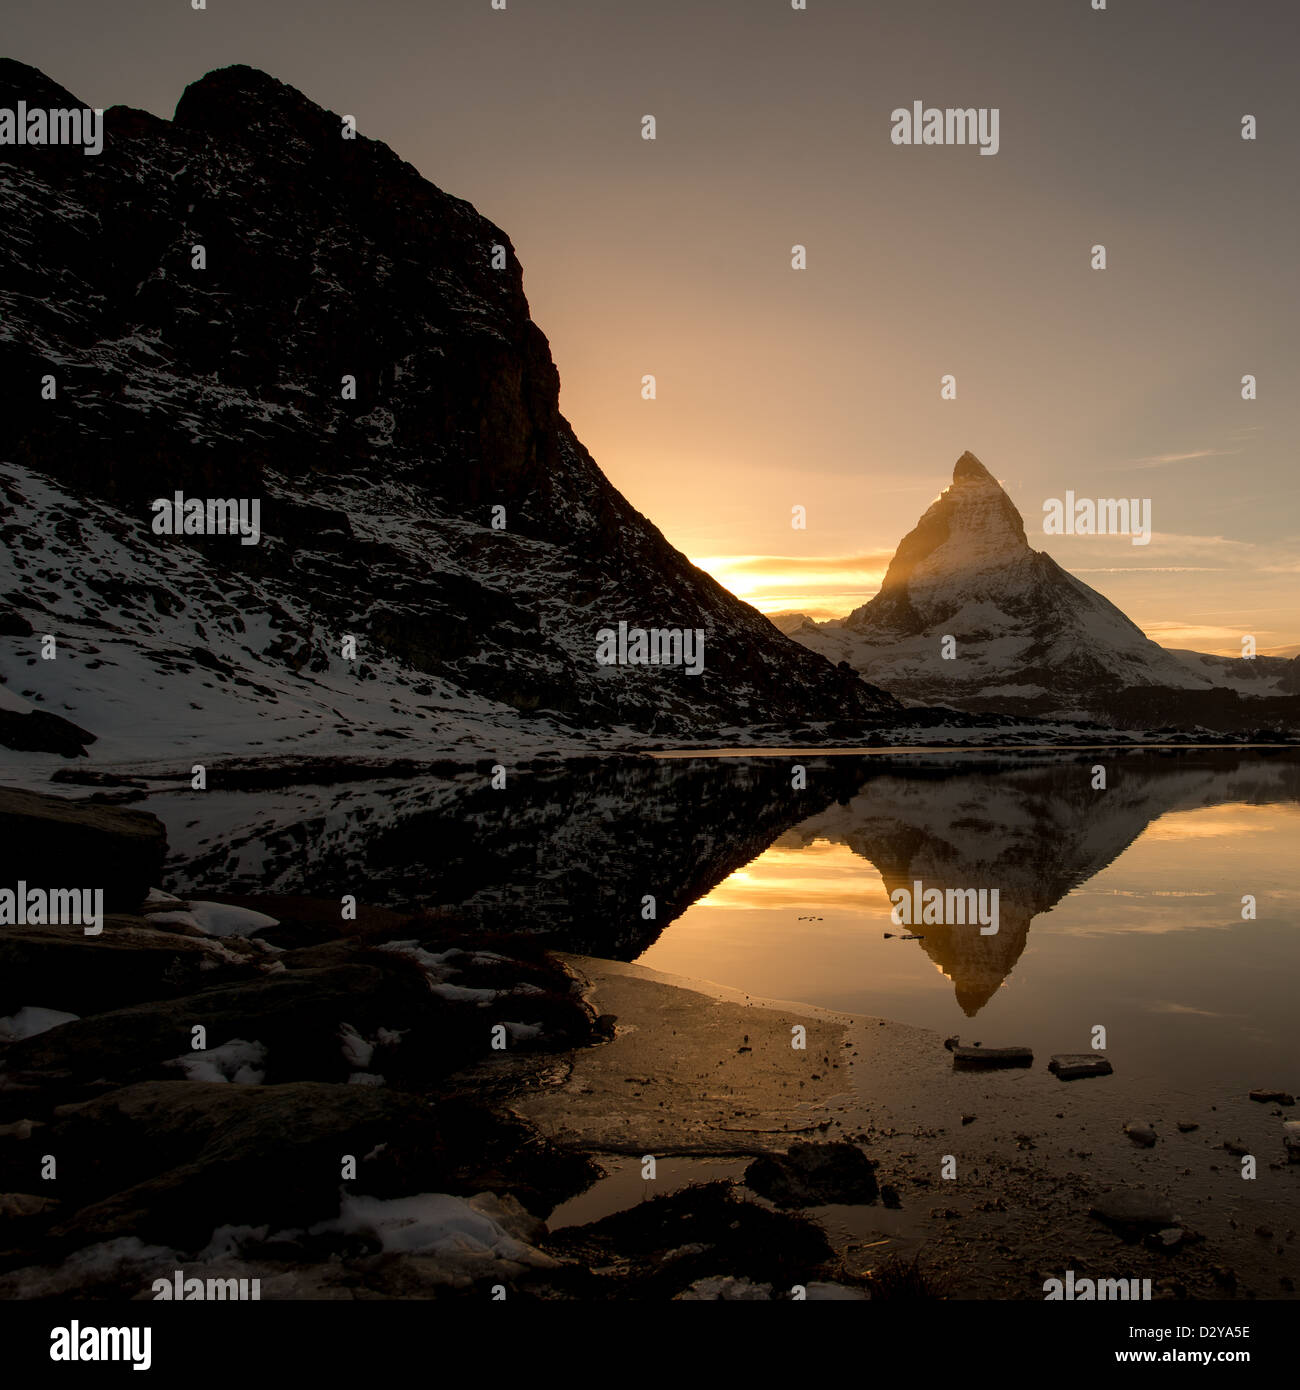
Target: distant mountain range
(240, 303)
(970, 616)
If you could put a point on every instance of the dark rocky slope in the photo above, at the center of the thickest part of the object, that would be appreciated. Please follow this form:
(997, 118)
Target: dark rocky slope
(325, 258)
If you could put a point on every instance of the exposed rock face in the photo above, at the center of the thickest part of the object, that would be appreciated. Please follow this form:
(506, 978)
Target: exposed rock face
(324, 259)
(38, 731)
(60, 967)
(50, 841)
(1028, 634)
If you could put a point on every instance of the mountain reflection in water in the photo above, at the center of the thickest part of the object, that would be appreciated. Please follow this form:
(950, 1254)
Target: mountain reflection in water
(1120, 907)
(1144, 883)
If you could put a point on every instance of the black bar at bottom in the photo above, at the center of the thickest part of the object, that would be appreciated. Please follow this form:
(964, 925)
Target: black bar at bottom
(376, 1340)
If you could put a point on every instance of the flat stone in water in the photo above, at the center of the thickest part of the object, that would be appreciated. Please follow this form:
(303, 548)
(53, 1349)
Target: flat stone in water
(1129, 1207)
(1070, 1066)
(971, 1058)
(1281, 1097)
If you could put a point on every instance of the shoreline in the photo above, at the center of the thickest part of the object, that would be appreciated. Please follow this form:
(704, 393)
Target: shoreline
(1030, 1167)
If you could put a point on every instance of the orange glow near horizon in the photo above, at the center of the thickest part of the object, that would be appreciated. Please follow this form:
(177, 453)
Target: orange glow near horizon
(822, 587)
(832, 586)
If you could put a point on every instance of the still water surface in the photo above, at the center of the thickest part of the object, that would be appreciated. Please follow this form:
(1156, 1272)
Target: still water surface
(1120, 907)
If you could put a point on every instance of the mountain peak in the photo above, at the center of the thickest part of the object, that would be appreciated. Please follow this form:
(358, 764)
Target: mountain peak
(968, 469)
(22, 82)
(240, 83)
(1013, 621)
(244, 103)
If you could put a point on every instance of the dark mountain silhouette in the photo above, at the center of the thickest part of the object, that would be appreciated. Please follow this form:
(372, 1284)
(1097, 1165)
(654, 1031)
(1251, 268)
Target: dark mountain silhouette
(325, 258)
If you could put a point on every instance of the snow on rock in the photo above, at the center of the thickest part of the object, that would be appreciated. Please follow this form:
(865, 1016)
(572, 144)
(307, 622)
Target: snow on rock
(219, 919)
(30, 1021)
(240, 1062)
(470, 1237)
(229, 1241)
(212, 919)
(174, 919)
(437, 970)
(357, 1052)
(523, 1032)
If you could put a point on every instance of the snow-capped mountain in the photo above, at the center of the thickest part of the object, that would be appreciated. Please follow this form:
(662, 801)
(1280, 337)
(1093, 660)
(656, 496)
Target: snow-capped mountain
(1024, 633)
(242, 303)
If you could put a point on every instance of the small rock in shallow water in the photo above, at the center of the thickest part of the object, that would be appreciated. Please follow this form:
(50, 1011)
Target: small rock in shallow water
(838, 1293)
(727, 1289)
(814, 1175)
(970, 1058)
(1070, 1066)
(1131, 1208)
(1291, 1139)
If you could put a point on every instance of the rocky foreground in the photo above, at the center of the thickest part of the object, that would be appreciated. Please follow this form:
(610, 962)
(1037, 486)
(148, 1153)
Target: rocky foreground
(323, 1105)
(389, 1105)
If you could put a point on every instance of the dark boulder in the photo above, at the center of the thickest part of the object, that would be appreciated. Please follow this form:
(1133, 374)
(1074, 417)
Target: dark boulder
(170, 1161)
(39, 731)
(60, 967)
(815, 1175)
(52, 842)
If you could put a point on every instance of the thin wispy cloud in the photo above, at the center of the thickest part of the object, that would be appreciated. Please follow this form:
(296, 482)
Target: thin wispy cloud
(1160, 460)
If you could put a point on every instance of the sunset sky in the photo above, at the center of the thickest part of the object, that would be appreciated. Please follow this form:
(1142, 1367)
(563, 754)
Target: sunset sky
(821, 387)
